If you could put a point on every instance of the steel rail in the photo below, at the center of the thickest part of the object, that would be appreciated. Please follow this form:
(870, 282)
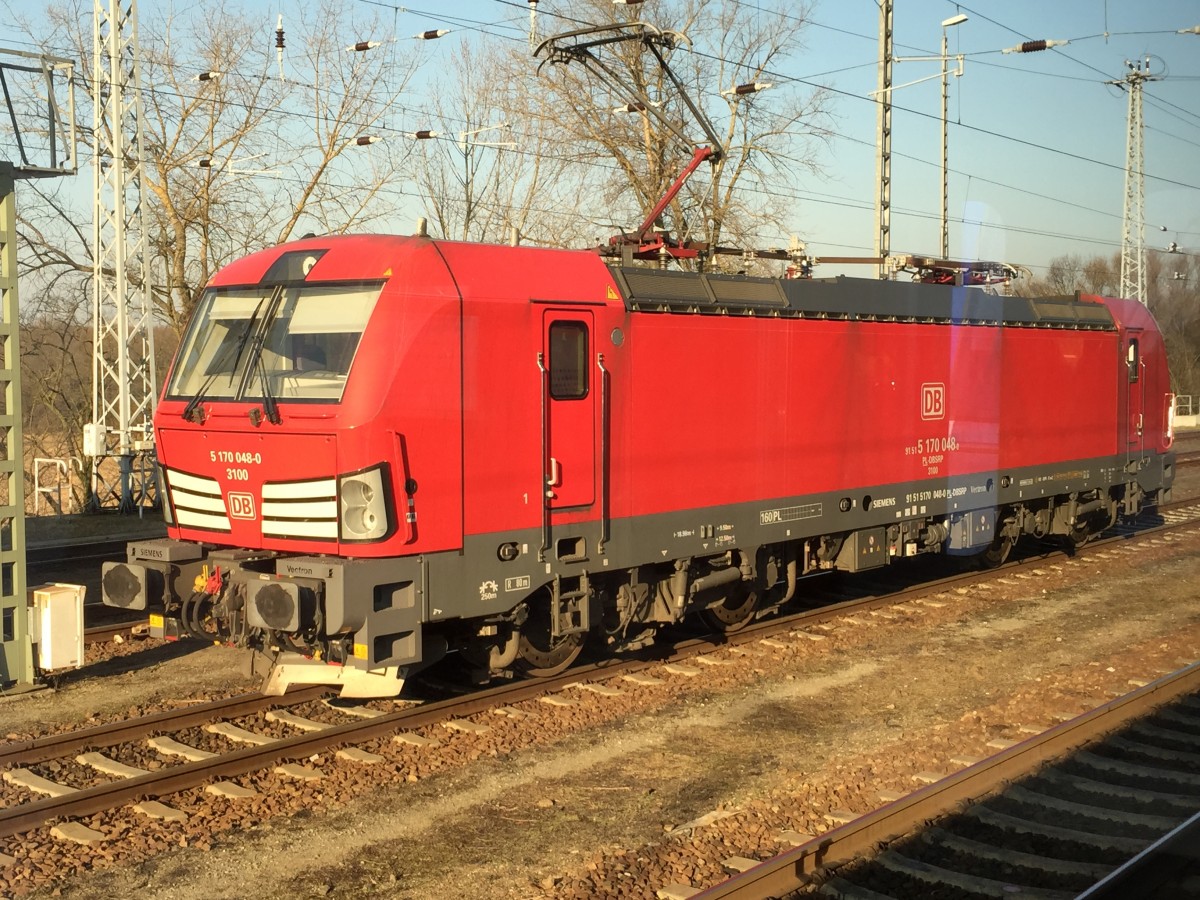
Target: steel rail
(103, 548)
(1190, 458)
(793, 869)
(1163, 863)
(88, 801)
(56, 746)
(98, 634)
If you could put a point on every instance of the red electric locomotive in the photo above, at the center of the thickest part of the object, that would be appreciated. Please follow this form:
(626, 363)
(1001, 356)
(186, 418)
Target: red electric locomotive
(379, 450)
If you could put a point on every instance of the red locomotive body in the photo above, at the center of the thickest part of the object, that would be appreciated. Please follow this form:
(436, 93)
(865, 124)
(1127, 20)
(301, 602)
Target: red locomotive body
(377, 450)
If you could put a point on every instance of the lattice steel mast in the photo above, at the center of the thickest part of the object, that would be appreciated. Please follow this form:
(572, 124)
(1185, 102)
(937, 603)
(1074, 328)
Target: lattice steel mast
(883, 138)
(56, 158)
(1133, 241)
(123, 377)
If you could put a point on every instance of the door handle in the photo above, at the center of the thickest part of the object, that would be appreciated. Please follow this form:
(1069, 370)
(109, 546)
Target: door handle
(554, 479)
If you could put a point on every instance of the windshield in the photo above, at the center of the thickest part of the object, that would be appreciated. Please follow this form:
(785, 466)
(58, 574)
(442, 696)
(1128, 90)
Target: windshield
(293, 342)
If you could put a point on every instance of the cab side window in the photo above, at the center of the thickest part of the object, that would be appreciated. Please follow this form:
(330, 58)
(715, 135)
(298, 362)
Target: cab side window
(568, 360)
(1133, 360)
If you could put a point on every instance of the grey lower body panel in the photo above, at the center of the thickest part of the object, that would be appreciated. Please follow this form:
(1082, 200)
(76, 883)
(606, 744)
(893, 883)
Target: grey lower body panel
(477, 582)
(403, 611)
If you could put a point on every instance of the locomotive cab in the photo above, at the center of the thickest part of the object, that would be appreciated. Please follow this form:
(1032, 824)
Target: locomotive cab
(285, 442)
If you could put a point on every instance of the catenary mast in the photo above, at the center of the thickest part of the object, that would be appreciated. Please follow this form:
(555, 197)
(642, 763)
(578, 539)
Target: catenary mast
(123, 377)
(1133, 239)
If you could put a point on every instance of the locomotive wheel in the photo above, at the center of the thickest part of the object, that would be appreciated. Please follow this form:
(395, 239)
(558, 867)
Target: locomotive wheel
(539, 654)
(997, 553)
(1079, 536)
(732, 614)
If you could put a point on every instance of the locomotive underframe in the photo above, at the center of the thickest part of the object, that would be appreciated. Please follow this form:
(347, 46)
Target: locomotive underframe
(382, 618)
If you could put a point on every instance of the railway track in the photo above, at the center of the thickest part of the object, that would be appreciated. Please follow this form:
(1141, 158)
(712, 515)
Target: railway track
(20, 753)
(1056, 821)
(87, 755)
(99, 634)
(288, 748)
(250, 735)
(88, 551)
(1170, 516)
(1190, 458)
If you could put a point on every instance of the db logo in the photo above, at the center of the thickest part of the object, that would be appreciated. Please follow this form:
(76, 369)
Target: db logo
(933, 401)
(241, 506)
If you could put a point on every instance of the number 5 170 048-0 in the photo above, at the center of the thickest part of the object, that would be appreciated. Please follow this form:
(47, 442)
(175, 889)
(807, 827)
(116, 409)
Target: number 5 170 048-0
(241, 456)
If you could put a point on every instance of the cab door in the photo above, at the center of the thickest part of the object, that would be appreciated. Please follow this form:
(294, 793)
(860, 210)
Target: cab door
(569, 401)
(1135, 424)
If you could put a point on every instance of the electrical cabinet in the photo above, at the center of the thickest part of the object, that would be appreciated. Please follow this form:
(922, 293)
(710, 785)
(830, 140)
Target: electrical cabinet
(56, 625)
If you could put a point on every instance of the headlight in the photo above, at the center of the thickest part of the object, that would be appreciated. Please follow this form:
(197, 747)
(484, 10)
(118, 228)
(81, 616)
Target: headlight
(363, 507)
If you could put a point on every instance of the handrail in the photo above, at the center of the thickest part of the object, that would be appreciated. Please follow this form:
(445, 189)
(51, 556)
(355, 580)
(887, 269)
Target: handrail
(604, 426)
(546, 477)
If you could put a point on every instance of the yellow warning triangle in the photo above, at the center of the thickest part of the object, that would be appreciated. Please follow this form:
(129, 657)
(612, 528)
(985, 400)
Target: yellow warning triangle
(612, 293)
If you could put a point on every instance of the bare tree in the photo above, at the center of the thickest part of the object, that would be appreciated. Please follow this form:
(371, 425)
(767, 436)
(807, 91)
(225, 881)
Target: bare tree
(768, 141)
(1173, 281)
(1100, 275)
(490, 169)
(1063, 276)
(235, 162)
(250, 156)
(56, 363)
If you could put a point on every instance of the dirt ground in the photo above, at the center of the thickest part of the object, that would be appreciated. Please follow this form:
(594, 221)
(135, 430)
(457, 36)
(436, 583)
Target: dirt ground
(536, 822)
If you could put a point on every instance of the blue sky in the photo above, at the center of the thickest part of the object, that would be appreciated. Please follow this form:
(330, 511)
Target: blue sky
(1036, 141)
(1056, 188)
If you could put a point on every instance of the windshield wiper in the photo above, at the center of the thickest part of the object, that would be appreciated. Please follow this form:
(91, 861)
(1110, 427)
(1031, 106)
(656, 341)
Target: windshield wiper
(270, 407)
(192, 412)
(260, 339)
(244, 337)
